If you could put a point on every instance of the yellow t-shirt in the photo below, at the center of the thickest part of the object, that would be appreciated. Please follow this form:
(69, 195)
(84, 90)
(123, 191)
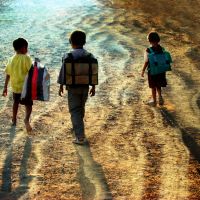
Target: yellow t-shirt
(17, 68)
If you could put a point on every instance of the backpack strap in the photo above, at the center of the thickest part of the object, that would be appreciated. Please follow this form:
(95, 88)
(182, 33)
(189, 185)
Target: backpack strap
(163, 49)
(70, 56)
(150, 50)
(90, 68)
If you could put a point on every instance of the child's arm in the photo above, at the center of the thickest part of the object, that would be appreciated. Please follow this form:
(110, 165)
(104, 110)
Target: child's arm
(146, 62)
(60, 90)
(92, 91)
(144, 68)
(6, 85)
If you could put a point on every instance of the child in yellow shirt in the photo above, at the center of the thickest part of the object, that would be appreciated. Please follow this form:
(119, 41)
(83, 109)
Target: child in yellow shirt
(16, 70)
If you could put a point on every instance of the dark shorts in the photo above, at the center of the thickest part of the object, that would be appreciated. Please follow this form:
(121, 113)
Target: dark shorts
(158, 80)
(17, 99)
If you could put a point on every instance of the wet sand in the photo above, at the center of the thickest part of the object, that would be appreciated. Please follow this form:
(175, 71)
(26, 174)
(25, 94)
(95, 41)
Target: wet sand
(134, 151)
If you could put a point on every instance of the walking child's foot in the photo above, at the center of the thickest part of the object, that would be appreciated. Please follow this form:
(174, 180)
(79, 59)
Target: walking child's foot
(72, 130)
(79, 141)
(14, 122)
(161, 101)
(151, 103)
(28, 126)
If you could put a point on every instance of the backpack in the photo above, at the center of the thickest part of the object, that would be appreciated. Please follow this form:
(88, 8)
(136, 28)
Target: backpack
(81, 71)
(159, 62)
(37, 83)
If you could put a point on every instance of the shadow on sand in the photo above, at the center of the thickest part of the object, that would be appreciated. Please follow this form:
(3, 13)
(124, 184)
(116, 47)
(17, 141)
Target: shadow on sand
(91, 176)
(7, 191)
(189, 134)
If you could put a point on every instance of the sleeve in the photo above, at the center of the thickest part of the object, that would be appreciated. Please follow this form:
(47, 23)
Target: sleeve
(61, 77)
(92, 56)
(8, 67)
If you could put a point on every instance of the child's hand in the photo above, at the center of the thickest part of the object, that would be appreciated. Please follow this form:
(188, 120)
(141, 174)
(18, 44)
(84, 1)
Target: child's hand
(144, 68)
(4, 94)
(60, 91)
(142, 74)
(92, 92)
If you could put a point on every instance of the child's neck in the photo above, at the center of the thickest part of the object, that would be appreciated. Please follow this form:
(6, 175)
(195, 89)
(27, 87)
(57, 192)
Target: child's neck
(77, 47)
(155, 45)
(19, 52)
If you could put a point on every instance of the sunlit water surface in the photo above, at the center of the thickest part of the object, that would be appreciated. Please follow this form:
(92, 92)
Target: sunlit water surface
(47, 26)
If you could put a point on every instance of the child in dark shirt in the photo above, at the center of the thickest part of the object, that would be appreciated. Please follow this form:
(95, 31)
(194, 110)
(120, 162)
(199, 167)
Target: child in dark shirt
(77, 94)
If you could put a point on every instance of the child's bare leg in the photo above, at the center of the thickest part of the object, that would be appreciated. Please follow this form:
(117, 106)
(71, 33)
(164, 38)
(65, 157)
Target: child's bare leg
(154, 94)
(15, 110)
(159, 91)
(160, 99)
(27, 117)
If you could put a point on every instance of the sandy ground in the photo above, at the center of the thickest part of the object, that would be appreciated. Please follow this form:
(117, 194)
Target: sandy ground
(133, 151)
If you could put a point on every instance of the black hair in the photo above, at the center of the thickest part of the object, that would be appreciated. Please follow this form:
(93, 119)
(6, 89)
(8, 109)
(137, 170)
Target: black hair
(78, 38)
(19, 43)
(153, 37)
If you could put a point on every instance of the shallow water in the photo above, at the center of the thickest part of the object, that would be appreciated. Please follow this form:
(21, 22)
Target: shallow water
(47, 25)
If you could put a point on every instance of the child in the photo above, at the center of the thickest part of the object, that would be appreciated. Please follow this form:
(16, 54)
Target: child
(16, 70)
(77, 93)
(155, 81)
